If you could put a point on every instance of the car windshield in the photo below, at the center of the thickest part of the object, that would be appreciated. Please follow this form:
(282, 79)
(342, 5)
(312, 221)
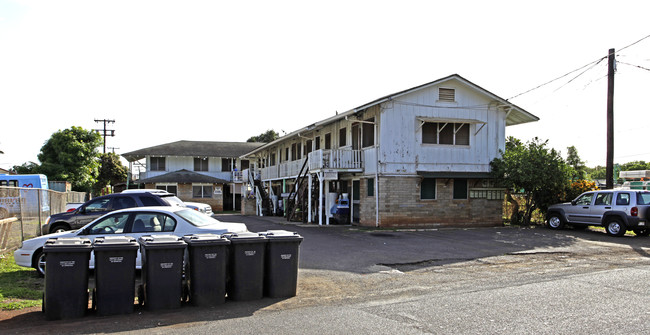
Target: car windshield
(173, 201)
(643, 198)
(196, 218)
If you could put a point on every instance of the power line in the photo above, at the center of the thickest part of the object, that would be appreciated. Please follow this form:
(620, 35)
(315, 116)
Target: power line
(576, 70)
(558, 78)
(640, 67)
(625, 47)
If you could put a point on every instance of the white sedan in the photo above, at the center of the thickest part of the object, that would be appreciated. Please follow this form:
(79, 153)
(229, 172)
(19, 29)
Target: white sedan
(134, 222)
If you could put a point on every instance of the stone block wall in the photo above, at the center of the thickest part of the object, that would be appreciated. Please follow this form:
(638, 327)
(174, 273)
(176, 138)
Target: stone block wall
(400, 206)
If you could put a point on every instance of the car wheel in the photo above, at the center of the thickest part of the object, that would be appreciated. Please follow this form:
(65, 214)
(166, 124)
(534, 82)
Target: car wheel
(59, 228)
(615, 227)
(39, 263)
(555, 221)
(642, 231)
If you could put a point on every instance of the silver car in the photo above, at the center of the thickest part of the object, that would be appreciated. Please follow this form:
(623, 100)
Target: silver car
(134, 222)
(616, 210)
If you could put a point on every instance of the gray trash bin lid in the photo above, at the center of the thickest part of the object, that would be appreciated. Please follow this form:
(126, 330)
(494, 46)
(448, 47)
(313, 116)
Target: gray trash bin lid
(245, 237)
(205, 239)
(115, 242)
(161, 241)
(68, 244)
(281, 236)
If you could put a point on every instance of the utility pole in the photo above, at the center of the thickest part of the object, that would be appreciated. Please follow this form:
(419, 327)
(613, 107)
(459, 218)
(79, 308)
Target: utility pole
(105, 132)
(611, 68)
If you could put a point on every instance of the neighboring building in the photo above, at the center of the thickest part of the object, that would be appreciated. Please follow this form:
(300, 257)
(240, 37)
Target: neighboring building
(415, 158)
(206, 172)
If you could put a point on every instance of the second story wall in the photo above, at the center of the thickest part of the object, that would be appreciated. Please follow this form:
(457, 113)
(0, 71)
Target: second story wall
(462, 131)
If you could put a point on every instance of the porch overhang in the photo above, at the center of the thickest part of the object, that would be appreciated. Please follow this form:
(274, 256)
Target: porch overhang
(455, 175)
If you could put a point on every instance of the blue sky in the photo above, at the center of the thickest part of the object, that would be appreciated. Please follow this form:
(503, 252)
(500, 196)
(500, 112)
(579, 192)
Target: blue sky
(228, 70)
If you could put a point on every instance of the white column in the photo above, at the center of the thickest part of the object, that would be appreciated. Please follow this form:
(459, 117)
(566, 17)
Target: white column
(320, 198)
(309, 180)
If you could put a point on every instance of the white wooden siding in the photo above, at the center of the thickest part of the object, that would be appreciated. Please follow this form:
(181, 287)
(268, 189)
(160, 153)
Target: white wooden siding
(401, 148)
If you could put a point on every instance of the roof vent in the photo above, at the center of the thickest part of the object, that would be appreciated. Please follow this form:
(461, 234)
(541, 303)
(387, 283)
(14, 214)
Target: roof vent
(446, 94)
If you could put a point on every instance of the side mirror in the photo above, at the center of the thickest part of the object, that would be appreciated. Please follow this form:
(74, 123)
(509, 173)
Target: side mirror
(573, 202)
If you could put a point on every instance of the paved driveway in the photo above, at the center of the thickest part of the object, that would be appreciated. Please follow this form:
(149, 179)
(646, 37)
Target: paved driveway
(366, 250)
(507, 280)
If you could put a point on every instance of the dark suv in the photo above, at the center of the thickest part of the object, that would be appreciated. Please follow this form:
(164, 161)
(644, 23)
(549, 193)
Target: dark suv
(99, 206)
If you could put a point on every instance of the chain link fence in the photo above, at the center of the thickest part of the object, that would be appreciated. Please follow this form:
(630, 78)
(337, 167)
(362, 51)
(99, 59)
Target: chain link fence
(24, 210)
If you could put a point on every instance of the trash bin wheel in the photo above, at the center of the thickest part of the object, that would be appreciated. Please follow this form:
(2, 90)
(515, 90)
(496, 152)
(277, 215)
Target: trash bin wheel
(94, 300)
(186, 293)
(140, 295)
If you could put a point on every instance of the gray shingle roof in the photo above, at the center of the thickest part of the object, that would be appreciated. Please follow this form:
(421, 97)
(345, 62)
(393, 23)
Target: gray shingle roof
(183, 177)
(194, 149)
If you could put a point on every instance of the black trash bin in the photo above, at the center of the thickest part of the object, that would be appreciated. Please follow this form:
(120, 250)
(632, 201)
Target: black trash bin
(206, 270)
(246, 266)
(281, 268)
(162, 271)
(114, 274)
(66, 277)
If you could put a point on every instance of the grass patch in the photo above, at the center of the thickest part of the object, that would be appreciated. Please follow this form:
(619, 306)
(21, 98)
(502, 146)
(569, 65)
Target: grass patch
(19, 287)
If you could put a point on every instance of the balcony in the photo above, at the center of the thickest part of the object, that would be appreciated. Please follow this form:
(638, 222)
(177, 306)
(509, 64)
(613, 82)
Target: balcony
(342, 160)
(336, 160)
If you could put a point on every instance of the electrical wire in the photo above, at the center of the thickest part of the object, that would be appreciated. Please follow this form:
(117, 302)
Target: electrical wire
(576, 70)
(580, 74)
(625, 47)
(558, 78)
(640, 67)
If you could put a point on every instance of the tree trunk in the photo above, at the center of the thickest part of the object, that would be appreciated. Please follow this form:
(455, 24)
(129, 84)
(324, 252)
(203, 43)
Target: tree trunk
(514, 218)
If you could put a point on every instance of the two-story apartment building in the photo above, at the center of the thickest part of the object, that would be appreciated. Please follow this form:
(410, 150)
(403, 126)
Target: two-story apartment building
(198, 171)
(419, 157)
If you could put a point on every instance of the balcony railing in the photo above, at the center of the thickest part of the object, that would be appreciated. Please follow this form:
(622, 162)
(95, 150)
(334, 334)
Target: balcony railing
(340, 159)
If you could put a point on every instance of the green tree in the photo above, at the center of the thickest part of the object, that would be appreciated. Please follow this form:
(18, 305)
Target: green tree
(111, 172)
(71, 155)
(266, 137)
(596, 173)
(26, 168)
(577, 168)
(635, 165)
(532, 169)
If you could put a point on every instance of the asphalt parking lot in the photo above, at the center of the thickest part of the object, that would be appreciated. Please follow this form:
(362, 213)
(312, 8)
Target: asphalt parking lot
(476, 280)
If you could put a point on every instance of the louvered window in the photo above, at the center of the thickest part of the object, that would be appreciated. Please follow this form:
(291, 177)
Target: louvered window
(447, 94)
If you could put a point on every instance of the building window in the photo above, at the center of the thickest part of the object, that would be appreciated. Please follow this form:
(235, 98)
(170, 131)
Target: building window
(342, 137)
(272, 160)
(460, 188)
(225, 165)
(200, 164)
(368, 133)
(308, 146)
(157, 164)
(201, 191)
(10, 183)
(447, 94)
(328, 141)
(317, 140)
(428, 189)
(295, 151)
(371, 187)
(245, 164)
(445, 133)
(171, 188)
